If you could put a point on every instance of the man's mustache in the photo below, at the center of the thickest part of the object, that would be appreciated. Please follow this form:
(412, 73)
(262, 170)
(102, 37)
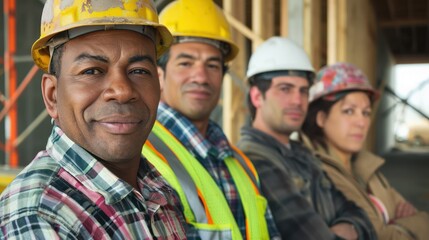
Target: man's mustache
(197, 87)
(122, 109)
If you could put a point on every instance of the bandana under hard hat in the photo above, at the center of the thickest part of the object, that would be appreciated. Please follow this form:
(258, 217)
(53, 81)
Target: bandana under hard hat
(333, 81)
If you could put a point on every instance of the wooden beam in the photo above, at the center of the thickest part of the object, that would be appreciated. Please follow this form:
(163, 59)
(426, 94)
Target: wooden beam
(257, 20)
(404, 23)
(411, 58)
(284, 27)
(243, 29)
(262, 23)
(337, 31)
(308, 27)
(233, 109)
(268, 18)
(312, 31)
(332, 33)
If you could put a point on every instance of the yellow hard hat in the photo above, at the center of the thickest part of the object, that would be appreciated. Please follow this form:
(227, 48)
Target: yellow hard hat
(59, 17)
(199, 19)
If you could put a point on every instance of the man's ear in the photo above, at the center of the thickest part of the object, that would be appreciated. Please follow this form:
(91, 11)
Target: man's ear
(49, 93)
(255, 96)
(161, 78)
(320, 119)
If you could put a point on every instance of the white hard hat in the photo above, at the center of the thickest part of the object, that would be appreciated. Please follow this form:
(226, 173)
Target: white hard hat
(278, 54)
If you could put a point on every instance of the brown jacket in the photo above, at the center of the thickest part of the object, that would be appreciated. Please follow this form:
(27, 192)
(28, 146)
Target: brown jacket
(366, 176)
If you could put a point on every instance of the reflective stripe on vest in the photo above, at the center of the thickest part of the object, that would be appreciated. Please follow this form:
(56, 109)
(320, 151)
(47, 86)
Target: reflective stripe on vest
(205, 206)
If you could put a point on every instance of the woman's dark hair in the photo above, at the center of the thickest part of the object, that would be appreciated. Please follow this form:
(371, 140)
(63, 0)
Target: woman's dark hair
(310, 127)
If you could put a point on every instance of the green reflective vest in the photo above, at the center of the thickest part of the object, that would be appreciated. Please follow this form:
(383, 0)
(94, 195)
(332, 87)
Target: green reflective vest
(205, 206)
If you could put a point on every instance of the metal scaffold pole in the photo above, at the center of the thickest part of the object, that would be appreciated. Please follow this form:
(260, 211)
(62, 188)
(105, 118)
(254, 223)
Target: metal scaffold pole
(10, 77)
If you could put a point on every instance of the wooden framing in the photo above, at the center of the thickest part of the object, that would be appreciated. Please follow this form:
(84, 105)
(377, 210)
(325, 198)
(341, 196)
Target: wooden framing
(312, 34)
(233, 109)
(262, 23)
(284, 21)
(349, 35)
(337, 31)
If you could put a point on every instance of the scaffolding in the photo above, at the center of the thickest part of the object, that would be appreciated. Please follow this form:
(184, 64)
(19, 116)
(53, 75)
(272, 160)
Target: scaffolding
(9, 112)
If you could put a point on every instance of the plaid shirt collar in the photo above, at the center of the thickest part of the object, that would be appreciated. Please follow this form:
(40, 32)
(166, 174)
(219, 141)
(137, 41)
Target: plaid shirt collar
(216, 144)
(88, 170)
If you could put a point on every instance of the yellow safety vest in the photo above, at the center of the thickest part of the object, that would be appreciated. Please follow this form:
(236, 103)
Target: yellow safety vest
(205, 206)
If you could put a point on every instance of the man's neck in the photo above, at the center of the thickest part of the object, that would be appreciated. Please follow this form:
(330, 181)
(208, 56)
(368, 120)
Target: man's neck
(201, 126)
(282, 138)
(126, 171)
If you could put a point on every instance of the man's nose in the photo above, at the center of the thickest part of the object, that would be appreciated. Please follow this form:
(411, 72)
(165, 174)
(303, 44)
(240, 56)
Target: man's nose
(119, 88)
(199, 73)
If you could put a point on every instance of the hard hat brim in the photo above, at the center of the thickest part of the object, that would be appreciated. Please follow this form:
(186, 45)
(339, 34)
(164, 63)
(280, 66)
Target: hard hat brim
(40, 51)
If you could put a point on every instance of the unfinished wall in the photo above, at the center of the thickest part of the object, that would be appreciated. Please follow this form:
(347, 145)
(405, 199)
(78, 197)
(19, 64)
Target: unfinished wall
(352, 37)
(329, 31)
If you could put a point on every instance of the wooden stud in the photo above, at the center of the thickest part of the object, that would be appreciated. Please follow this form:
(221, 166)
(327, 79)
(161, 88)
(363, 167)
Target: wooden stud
(284, 21)
(234, 111)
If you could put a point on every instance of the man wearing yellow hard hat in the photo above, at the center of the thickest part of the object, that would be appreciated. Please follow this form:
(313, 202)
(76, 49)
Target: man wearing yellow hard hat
(218, 186)
(101, 90)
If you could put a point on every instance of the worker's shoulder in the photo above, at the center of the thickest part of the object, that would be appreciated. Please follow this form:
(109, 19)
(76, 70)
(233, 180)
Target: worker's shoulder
(27, 189)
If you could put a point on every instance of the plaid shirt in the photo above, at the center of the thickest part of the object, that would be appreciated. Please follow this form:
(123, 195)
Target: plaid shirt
(210, 152)
(304, 201)
(65, 193)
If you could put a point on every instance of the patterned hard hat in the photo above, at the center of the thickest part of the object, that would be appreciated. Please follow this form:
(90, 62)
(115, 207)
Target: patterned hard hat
(335, 79)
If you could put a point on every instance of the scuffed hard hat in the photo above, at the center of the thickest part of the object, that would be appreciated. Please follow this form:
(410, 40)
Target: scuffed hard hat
(338, 78)
(61, 18)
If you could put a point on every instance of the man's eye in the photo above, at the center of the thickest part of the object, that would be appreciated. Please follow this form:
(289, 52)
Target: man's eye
(214, 66)
(140, 71)
(185, 64)
(285, 89)
(91, 71)
(304, 91)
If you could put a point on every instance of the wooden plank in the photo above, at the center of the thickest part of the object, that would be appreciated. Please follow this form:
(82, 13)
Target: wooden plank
(234, 111)
(317, 46)
(257, 20)
(243, 29)
(262, 23)
(308, 27)
(404, 22)
(342, 30)
(284, 21)
(337, 30)
(312, 31)
(268, 23)
(332, 31)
